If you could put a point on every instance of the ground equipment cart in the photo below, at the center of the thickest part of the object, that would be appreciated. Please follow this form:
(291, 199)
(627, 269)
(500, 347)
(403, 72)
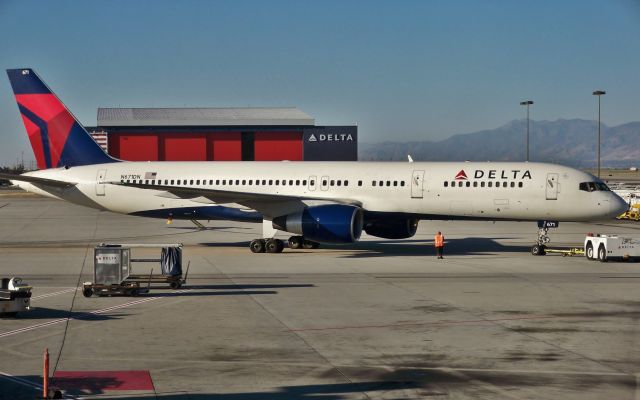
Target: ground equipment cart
(113, 274)
(15, 297)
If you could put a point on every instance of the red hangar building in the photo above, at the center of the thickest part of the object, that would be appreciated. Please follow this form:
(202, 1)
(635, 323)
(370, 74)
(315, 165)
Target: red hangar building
(221, 134)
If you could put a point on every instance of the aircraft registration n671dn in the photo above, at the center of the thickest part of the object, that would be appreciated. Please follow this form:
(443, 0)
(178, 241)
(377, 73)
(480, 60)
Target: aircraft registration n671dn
(319, 202)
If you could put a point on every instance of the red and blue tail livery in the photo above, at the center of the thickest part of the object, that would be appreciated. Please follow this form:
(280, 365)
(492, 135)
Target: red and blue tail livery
(56, 136)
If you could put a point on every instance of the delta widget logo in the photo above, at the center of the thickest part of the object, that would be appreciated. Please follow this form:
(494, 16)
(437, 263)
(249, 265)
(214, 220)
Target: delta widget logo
(461, 175)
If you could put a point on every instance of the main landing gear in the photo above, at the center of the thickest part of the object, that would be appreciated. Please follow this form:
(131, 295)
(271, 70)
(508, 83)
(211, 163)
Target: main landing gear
(277, 245)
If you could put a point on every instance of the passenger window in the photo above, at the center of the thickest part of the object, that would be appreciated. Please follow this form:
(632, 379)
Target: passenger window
(270, 182)
(381, 183)
(513, 184)
(395, 183)
(277, 182)
(359, 183)
(284, 182)
(489, 184)
(475, 183)
(244, 182)
(519, 184)
(346, 183)
(446, 183)
(238, 182)
(401, 183)
(373, 183)
(324, 183)
(264, 182)
(459, 183)
(388, 183)
(304, 182)
(468, 184)
(338, 182)
(481, 184)
(290, 182)
(331, 184)
(297, 182)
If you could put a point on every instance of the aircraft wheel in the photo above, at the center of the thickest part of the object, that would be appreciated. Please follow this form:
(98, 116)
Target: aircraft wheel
(87, 292)
(538, 250)
(274, 246)
(308, 244)
(257, 246)
(295, 242)
(602, 254)
(589, 251)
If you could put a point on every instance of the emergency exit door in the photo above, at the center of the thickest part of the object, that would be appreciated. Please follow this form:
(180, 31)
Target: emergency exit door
(417, 184)
(552, 186)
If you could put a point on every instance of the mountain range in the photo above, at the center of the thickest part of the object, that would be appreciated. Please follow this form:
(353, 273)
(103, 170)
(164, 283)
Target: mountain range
(570, 142)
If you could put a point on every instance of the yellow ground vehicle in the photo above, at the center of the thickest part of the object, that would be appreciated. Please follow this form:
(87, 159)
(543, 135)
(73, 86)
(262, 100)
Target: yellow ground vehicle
(633, 213)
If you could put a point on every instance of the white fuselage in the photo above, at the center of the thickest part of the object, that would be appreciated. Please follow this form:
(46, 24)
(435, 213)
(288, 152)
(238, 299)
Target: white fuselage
(505, 191)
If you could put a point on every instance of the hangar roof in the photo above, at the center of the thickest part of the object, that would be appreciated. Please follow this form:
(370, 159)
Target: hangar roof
(277, 116)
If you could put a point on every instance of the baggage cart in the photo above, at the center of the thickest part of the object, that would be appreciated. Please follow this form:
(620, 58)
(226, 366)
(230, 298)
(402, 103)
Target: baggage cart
(113, 270)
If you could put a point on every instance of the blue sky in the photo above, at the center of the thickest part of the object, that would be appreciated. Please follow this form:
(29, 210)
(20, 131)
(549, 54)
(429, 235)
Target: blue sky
(401, 70)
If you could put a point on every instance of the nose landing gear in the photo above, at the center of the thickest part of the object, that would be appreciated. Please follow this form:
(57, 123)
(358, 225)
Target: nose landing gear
(539, 249)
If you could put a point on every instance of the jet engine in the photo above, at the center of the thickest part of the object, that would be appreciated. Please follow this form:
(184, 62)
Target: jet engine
(331, 223)
(392, 228)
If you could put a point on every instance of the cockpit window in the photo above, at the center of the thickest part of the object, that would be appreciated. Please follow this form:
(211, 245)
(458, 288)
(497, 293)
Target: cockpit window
(594, 186)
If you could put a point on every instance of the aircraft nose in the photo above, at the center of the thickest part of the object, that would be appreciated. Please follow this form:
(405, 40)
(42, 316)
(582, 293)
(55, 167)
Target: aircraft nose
(618, 205)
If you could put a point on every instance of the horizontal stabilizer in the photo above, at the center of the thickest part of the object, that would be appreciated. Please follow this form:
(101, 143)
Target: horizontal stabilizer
(36, 180)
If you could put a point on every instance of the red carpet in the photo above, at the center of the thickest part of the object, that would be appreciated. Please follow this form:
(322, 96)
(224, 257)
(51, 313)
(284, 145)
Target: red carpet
(97, 381)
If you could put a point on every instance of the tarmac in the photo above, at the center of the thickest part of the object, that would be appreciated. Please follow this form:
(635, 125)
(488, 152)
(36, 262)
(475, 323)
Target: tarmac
(380, 319)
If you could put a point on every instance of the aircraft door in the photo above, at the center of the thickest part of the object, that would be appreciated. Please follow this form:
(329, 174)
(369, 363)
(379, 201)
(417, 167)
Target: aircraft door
(100, 177)
(552, 186)
(417, 184)
(312, 183)
(324, 185)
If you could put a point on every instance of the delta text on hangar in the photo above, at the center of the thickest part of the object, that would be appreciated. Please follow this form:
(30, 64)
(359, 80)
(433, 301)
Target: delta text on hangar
(221, 134)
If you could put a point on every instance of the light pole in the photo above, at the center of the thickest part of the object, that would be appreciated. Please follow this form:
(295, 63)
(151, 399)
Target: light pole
(599, 93)
(527, 103)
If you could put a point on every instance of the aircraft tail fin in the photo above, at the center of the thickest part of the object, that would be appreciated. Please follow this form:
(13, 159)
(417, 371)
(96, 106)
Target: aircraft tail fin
(57, 137)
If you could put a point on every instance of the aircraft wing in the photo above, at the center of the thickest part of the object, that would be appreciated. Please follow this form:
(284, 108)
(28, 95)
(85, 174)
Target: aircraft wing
(270, 204)
(38, 181)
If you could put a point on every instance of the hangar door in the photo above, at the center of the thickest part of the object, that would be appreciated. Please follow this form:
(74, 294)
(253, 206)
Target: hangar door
(417, 184)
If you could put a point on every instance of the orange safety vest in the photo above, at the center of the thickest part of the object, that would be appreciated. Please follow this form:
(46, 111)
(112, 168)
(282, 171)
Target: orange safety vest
(439, 240)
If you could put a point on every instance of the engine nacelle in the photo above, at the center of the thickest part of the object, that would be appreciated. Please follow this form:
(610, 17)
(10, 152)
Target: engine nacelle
(392, 228)
(331, 223)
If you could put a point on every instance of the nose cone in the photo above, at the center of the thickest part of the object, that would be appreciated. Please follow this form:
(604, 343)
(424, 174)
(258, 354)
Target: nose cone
(618, 205)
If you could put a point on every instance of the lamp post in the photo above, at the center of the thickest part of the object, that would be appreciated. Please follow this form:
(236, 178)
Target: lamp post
(527, 103)
(599, 93)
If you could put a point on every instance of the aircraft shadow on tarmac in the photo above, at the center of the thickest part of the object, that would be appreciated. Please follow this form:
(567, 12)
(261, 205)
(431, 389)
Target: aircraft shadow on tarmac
(52, 313)
(410, 247)
(208, 228)
(398, 383)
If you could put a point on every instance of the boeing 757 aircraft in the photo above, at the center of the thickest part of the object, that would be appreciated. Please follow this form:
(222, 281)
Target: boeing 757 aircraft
(318, 202)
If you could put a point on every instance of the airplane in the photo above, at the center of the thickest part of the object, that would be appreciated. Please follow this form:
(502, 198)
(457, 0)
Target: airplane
(317, 202)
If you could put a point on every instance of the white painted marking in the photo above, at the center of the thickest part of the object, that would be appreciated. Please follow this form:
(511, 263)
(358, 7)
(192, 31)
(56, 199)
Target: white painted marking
(42, 296)
(80, 317)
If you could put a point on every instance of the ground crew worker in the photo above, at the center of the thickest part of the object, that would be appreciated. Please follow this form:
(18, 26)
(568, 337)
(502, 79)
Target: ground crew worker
(439, 243)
